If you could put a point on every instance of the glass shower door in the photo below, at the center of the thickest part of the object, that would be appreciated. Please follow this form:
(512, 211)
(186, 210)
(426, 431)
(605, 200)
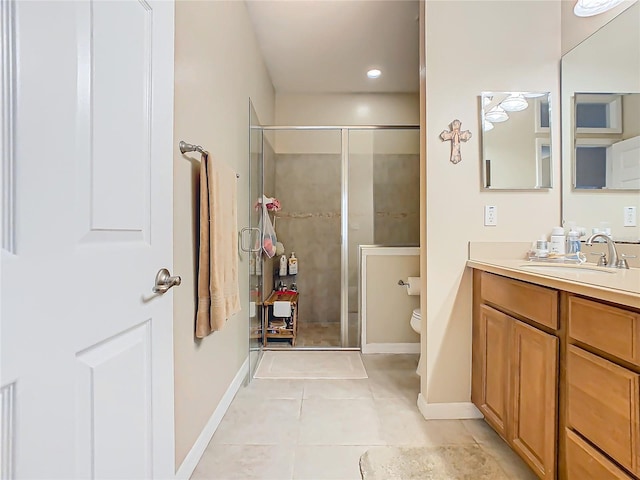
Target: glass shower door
(251, 242)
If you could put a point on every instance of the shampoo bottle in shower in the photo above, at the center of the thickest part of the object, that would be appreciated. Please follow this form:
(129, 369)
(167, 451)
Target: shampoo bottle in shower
(293, 264)
(283, 265)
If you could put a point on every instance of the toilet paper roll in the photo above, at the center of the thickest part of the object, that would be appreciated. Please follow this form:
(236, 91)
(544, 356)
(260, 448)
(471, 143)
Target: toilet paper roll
(413, 287)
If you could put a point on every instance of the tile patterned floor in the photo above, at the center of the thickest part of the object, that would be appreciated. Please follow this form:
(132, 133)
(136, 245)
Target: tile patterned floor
(318, 429)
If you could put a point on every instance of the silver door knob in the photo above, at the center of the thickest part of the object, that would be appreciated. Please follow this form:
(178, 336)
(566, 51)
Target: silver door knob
(164, 281)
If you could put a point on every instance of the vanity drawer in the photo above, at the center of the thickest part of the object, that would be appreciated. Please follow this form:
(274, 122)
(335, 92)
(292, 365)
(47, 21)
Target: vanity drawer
(610, 329)
(603, 405)
(585, 463)
(536, 303)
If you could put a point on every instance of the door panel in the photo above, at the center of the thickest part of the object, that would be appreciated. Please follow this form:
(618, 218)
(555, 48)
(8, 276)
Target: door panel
(118, 146)
(534, 359)
(494, 337)
(86, 346)
(116, 372)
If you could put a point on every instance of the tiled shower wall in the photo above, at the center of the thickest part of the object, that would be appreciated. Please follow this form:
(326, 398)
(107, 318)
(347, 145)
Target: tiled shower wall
(396, 197)
(308, 187)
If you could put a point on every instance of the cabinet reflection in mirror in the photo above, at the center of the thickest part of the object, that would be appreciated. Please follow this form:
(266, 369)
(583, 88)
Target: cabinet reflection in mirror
(516, 140)
(607, 141)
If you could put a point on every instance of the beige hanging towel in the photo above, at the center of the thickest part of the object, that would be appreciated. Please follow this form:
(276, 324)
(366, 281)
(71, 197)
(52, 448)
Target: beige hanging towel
(218, 290)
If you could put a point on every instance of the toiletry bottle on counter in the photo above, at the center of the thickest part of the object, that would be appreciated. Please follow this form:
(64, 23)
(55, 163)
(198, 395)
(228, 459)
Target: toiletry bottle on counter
(283, 265)
(558, 241)
(573, 242)
(293, 264)
(542, 247)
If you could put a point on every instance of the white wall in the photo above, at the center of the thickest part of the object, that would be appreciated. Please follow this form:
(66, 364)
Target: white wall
(387, 307)
(473, 47)
(217, 68)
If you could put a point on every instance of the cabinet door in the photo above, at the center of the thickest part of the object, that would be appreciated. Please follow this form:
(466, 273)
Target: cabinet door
(493, 344)
(603, 405)
(533, 393)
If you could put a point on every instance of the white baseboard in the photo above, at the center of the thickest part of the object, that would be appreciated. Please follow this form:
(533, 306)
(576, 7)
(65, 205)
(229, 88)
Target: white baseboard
(195, 454)
(447, 411)
(391, 348)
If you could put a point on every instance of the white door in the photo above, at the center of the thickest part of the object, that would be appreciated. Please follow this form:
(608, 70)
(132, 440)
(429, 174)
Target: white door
(87, 365)
(625, 164)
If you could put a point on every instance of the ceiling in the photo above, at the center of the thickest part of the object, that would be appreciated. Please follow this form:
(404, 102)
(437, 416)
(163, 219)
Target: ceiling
(327, 46)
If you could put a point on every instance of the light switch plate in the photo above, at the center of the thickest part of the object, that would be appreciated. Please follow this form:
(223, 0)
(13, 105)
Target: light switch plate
(630, 218)
(490, 215)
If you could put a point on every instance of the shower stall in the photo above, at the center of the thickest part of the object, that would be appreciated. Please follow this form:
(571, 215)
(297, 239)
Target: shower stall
(338, 188)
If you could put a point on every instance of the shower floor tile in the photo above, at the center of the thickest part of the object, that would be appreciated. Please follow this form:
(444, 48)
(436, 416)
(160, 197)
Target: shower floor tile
(318, 335)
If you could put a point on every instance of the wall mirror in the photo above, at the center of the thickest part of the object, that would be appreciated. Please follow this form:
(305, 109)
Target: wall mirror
(516, 140)
(601, 128)
(607, 141)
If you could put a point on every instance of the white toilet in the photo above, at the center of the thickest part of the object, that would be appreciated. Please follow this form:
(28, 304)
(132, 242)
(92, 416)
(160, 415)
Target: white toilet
(416, 320)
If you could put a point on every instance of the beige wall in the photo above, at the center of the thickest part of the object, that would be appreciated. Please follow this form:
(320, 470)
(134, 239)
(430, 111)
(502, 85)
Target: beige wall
(347, 109)
(388, 307)
(511, 147)
(485, 54)
(217, 68)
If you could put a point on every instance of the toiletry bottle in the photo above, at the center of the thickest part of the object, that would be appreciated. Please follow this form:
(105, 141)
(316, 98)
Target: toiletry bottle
(542, 247)
(573, 242)
(558, 241)
(283, 265)
(293, 264)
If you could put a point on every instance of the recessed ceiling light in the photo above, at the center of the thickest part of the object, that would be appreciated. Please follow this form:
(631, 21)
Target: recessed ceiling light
(374, 73)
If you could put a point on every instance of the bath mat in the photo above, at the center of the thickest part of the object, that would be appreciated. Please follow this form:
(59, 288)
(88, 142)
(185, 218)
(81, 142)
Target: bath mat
(453, 462)
(311, 365)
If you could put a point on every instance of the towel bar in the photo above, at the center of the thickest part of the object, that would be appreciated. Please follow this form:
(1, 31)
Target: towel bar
(189, 147)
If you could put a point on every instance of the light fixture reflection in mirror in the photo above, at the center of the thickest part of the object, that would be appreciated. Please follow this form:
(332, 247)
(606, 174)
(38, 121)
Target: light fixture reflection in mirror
(589, 8)
(496, 115)
(516, 146)
(514, 103)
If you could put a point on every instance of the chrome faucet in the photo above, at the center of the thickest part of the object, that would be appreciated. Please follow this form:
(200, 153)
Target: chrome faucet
(612, 261)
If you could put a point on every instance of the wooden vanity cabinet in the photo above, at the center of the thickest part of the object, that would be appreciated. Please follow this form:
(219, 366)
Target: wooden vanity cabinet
(602, 388)
(515, 366)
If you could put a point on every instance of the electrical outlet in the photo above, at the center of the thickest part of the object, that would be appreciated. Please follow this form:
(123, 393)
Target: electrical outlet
(630, 219)
(490, 215)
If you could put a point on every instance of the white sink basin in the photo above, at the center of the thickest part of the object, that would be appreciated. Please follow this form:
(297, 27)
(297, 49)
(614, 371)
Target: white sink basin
(564, 268)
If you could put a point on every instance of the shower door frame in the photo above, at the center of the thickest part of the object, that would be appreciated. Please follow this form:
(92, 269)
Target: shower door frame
(344, 223)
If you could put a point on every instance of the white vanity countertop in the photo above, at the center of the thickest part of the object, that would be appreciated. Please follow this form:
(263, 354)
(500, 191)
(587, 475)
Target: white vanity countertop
(621, 287)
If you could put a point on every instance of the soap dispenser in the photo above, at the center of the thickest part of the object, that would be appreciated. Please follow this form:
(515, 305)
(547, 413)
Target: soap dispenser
(293, 264)
(283, 265)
